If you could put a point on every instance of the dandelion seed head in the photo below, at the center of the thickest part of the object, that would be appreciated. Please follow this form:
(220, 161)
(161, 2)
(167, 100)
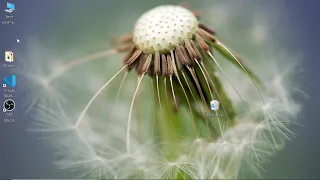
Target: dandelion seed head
(107, 139)
(162, 27)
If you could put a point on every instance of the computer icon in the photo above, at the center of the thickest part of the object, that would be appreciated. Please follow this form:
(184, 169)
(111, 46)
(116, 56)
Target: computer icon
(10, 8)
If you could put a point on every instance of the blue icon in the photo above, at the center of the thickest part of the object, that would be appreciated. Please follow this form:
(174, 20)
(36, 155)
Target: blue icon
(11, 81)
(10, 8)
(214, 104)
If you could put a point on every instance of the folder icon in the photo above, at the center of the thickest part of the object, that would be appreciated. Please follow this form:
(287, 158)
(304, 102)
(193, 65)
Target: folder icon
(8, 56)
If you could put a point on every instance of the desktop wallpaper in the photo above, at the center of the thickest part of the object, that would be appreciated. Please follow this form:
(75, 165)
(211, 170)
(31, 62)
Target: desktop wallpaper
(66, 53)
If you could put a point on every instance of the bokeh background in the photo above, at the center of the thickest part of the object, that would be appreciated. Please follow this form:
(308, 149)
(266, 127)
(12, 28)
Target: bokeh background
(74, 28)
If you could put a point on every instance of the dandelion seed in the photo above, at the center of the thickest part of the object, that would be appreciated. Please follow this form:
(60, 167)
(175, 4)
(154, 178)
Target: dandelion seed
(172, 47)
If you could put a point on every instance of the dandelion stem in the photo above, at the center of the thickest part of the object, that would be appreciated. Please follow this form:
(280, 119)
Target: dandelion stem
(193, 74)
(130, 113)
(137, 112)
(230, 83)
(165, 92)
(210, 94)
(154, 109)
(244, 69)
(176, 73)
(205, 79)
(216, 91)
(202, 97)
(157, 79)
(186, 80)
(174, 97)
(74, 63)
(189, 87)
(167, 100)
(194, 121)
(95, 96)
(119, 91)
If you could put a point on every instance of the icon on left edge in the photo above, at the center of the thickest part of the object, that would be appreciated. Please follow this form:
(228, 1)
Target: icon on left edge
(11, 81)
(10, 7)
(8, 105)
(8, 55)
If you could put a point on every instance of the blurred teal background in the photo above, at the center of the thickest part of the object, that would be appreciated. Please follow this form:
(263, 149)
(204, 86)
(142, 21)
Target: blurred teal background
(69, 26)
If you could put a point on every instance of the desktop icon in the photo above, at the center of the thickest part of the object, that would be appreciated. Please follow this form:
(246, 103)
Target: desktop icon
(214, 104)
(8, 105)
(8, 55)
(11, 81)
(10, 8)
